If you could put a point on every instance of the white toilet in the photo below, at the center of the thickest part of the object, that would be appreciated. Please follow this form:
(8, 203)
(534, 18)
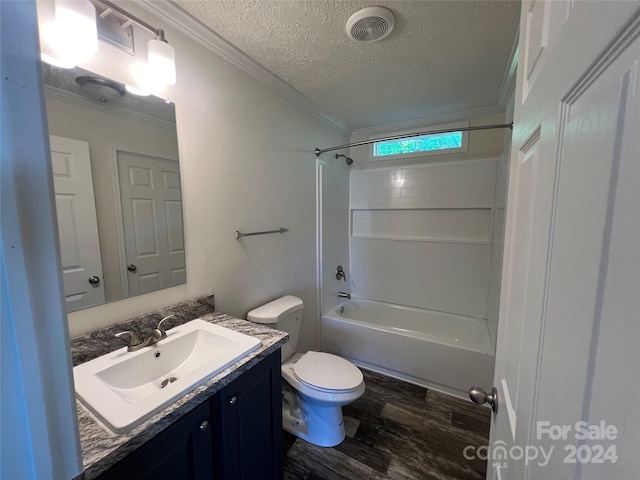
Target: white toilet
(316, 385)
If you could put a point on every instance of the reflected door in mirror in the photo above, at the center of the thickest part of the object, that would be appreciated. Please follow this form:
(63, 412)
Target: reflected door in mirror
(77, 223)
(145, 128)
(152, 217)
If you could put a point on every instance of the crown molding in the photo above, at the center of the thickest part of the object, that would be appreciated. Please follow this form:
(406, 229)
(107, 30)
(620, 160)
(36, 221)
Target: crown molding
(63, 95)
(508, 85)
(364, 133)
(182, 21)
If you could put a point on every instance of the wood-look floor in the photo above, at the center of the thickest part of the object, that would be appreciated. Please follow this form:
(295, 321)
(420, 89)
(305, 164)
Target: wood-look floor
(396, 430)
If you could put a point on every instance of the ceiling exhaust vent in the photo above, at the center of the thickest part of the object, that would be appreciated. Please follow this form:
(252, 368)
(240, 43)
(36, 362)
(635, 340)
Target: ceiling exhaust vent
(370, 24)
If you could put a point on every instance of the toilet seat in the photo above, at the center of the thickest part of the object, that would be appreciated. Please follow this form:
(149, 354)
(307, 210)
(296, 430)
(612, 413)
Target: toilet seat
(327, 373)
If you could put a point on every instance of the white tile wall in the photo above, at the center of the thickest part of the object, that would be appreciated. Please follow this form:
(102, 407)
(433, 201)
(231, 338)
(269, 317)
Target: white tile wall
(446, 277)
(457, 224)
(448, 207)
(454, 185)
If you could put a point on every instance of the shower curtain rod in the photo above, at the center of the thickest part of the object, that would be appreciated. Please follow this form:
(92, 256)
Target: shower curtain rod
(320, 151)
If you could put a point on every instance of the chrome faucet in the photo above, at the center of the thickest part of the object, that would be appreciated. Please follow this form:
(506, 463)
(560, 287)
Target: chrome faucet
(344, 295)
(340, 273)
(133, 341)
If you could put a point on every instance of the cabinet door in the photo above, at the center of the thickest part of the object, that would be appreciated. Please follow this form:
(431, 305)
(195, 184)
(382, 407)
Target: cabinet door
(249, 440)
(182, 451)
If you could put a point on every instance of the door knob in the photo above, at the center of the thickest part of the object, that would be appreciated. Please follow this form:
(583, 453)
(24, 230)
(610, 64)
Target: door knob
(233, 400)
(132, 268)
(94, 280)
(480, 397)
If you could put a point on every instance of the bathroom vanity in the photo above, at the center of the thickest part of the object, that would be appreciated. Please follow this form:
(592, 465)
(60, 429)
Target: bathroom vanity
(229, 427)
(235, 434)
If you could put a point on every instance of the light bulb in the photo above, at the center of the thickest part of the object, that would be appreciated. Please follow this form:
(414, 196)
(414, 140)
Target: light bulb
(162, 62)
(146, 82)
(73, 36)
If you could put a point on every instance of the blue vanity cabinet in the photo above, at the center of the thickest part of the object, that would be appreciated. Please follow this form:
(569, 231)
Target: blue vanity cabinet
(248, 415)
(182, 451)
(234, 435)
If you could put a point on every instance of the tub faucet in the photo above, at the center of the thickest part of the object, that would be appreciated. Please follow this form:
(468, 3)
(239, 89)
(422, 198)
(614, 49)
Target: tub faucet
(340, 273)
(344, 295)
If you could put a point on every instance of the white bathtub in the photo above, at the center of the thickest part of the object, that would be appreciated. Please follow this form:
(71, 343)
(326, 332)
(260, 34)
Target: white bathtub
(438, 350)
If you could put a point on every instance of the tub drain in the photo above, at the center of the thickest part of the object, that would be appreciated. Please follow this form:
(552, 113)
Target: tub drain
(167, 381)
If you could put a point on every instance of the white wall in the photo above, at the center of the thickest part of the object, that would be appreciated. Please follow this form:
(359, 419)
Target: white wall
(421, 236)
(105, 132)
(247, 163)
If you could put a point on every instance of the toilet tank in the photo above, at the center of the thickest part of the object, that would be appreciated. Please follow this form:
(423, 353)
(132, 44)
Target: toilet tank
(282, 314)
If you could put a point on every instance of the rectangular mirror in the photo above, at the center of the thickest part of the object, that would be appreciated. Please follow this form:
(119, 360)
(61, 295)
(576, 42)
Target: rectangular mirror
(117, 185)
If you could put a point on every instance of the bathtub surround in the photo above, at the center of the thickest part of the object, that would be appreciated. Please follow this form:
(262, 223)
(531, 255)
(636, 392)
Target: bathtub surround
(433, 349)
(333, 206)
(396, 430)
(498, 224)
(102, 449)
(424, 238)
(421, 236)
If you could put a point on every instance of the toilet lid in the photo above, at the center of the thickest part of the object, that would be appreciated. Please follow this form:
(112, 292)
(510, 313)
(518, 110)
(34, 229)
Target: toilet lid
(323, 370)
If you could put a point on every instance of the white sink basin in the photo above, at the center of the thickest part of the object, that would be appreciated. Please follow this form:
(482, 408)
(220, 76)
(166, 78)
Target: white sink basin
(123, 389)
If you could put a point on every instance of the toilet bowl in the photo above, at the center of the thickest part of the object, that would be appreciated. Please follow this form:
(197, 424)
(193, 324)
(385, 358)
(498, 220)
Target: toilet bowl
(315, 384)
(322, 383)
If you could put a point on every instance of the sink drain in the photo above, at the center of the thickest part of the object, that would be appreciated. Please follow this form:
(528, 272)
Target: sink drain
(167, 381)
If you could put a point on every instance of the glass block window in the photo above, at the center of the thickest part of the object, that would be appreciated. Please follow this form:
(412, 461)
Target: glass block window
(423, 143)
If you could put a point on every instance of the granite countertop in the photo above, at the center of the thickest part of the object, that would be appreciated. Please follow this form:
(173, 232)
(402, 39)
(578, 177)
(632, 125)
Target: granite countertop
(101, 448)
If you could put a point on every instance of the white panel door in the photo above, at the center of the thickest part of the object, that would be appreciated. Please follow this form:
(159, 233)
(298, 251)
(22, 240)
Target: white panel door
(152, 216)
(570, 306)
(77, 223)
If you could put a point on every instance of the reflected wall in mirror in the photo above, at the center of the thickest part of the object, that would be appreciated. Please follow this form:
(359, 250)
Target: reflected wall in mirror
(117, 185)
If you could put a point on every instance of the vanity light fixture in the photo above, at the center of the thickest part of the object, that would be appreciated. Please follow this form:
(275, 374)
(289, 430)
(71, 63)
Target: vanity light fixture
(161, 58)
(160, 69)
(73, 38)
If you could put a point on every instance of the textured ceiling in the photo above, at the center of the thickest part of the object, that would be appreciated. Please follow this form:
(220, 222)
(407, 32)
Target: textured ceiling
(442, 56)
